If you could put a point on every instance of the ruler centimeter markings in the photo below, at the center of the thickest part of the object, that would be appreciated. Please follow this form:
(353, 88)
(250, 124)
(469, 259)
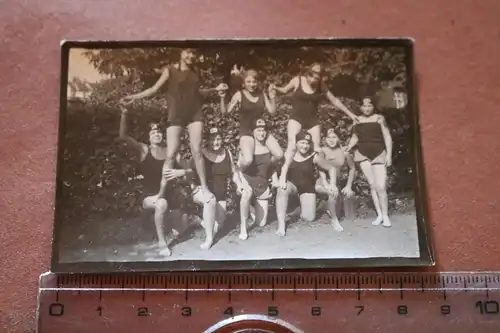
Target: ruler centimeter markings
(309, 302)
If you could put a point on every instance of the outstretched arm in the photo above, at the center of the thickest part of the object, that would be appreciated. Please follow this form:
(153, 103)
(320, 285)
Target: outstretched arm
(339, 105)
(235, 101)
(292, 85)
(139, 147)
(206, 92)
(151, 90)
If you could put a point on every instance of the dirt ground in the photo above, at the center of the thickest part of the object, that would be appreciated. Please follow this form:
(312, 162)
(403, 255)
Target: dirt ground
(303, 240)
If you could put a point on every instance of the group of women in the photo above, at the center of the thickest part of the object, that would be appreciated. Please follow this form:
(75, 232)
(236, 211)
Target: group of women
(255, 172)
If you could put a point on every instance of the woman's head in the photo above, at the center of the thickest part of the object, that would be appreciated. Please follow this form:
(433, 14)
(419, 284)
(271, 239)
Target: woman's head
(331, 139)
(215, 139)
(250, 80)
(303, 142)
(155, 134)
(367, 107)
(259, 130)
(314, 73)
(187, 56)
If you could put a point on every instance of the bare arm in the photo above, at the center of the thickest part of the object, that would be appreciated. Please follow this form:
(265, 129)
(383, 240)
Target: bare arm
(352, 170)
(154, 89)
(339, 105)
(270, 102)
(322, 176)
(235, 101)
(234, 169)
(292, 85)
(352, 142)
(387, 135)
(140, 147)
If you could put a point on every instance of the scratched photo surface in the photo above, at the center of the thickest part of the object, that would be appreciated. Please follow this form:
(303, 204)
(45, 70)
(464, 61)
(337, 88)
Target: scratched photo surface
(238, 152)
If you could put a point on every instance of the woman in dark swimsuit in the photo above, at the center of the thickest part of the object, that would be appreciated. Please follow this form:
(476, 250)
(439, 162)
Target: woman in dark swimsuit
(336, 157)
(184, 103)
(152, 157)
(219, 169)
(373, 152)
(252, 105)
(256, 180)
(308, 92)
(301, 181)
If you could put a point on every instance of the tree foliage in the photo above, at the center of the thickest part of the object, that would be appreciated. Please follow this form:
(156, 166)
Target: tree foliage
(100, 173)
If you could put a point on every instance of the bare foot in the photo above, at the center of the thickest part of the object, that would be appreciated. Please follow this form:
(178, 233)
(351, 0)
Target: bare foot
(387, 222)
(336, 225)
(165, 251)
(378, 220)
(243, 235)
(206, 244)
(281, 232)
(262, 223)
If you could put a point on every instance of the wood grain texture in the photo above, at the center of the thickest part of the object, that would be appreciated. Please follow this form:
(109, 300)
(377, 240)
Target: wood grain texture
(457, 66)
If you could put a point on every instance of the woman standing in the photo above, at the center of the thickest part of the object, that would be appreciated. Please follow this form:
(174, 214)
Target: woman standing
(308, 91)
(301, 181)
(219, 168)
(256, 180)
(152, 157)
(336, 157)
(252, 103)
(373, 152)
(184, 105)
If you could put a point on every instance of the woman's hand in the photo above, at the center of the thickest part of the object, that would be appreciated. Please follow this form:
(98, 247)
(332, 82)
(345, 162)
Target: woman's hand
(221, 87)
(127, 100)
(388, 160)
(333, 190)
(282, 183)
(347, 192)
(170, 174)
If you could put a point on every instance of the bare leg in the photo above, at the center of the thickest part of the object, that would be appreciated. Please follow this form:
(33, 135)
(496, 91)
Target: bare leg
(247, 147)
(315, 132)
(261, 212)
(220, 215)
(274, 147)
(174, 142)
(246, 196)
(282, 205)
(308, 207)
(160, 207)
(195, 131)
(293, 129)
(380, 173)
(209, 209)
(332, 207)
(366, 167)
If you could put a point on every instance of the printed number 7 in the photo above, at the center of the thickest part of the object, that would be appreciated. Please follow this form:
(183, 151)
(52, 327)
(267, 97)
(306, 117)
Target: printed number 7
(360, 309)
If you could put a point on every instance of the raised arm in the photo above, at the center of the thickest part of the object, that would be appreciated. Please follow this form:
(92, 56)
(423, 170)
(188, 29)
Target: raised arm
(235, 101)
(151, 90)
(338, 104)
(292, 85)
(271, 101)
(139, 147)
(387, 137)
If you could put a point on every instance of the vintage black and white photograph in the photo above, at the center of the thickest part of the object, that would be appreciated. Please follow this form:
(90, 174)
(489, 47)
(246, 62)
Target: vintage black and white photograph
(196, 155)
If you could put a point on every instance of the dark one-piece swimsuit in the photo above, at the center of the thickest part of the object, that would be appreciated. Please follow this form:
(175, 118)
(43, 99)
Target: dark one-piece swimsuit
(218, 174)
(301, 175)
(249, 113)
(258, 173)
(305, 106)
(184, 101)
(370, 140)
